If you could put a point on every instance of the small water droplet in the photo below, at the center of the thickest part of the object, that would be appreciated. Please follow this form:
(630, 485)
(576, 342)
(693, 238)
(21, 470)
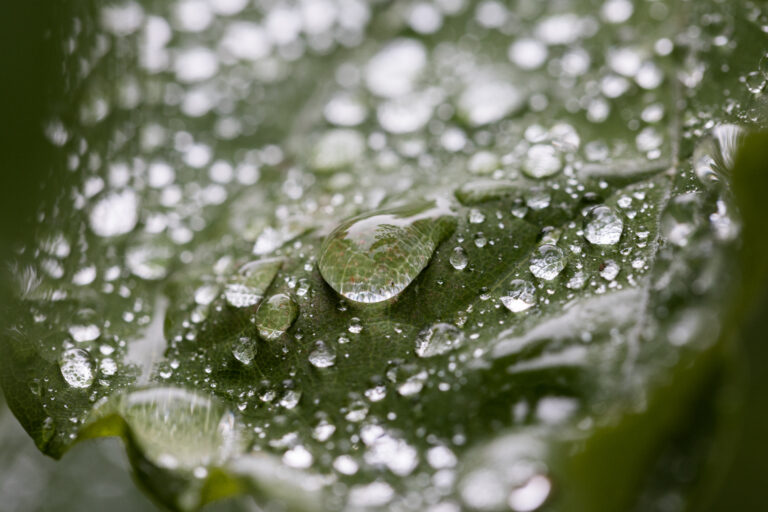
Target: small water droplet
(609, 270)
(77, 368)
(521, 295)
(547, 262)
(81, 333)
(322, 356)
(603, 226)
(374, 257)
(542, 161)
(244, 350)
(476, 216)
(108, 367)
(438, 339)
(275, 316)
(458, 258)
(337, 149)
(290, 399)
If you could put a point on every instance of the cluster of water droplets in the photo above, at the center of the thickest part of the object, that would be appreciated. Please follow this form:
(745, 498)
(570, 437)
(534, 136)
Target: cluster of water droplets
(421, 164)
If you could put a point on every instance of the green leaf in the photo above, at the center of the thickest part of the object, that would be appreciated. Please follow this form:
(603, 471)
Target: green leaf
(372, 264)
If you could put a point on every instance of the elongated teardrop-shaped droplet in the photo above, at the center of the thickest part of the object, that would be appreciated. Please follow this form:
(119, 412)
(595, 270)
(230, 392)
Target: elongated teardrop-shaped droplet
(177, 428)
(603, 226)
(438, 339)
(275, 316)
(479, 191)
(77, 368)
(248, 286)
(375, 256)
(547, 262)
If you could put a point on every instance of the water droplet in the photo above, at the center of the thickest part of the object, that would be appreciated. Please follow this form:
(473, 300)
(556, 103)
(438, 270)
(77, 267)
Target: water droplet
(345, 465)
(609, 270)
(458, 258)
(542, 161)
(178, 428)
(77, 368)
(531, 495)
(108, 367)
(247, 287)
(476, 216)
(603, 226)
(115, 214)
(375, 256)
(521, 295)
(413, 384)
(244, 350)
(438, 339)
(486, 101)
(547, 262)
(276, 315)
(323, 431)
(713, 157)
(337, 149)
(81, 333)
(322, 356)
(393, 71)
(290, 399)
(298, 457)
(479, 191)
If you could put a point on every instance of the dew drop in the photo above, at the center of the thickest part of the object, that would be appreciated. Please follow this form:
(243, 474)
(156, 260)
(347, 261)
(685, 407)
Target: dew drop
(547, 262)
(438, 339)
(458, 258)
(375, 256)
(81, 333)
(244, 350)
(521, 295)
(77, 368)
(603, 226)
(322, 356)
(337, 149)
(247, 287)
(542, 161)
(178, 428)
(276, 315)
(115, 214)
(487, 101)
(609, 270)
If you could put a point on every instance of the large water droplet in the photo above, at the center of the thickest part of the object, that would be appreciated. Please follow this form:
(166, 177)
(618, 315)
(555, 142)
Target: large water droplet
(77, 368)
(603, 226)
(275, 316)
(547, 262)
(247, 287)
(373, 257)
(479, 191)
(438, 339)
(713, 157)
(520, 296)
(178, 428)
